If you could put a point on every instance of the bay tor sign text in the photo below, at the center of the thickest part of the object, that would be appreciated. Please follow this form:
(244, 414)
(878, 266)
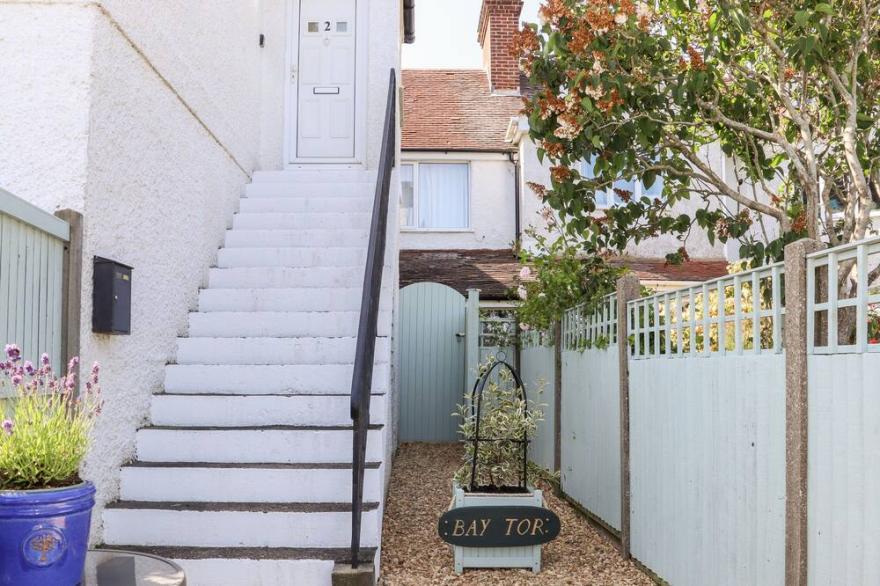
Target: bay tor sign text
(498, 526)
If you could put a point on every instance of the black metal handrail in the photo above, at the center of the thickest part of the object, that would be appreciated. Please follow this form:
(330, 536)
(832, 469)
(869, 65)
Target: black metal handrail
(362, 377)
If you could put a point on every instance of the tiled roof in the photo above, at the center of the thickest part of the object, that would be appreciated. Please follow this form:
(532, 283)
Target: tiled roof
(453, 109)
(657, 269)
(494, 271)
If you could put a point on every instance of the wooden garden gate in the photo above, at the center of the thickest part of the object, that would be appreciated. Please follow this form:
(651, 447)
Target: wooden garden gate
(432, 361)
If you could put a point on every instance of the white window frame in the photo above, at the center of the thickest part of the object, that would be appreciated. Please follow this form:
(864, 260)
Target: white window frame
(611, 197)
(415, 178)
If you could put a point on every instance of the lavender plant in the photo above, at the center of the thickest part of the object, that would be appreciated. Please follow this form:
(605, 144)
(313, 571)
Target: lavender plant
(45, 435)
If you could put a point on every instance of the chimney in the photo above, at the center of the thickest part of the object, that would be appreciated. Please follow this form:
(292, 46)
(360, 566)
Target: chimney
(499, 20)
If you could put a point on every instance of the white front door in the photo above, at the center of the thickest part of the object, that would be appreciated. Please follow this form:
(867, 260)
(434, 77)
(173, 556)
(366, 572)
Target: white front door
(323, 80)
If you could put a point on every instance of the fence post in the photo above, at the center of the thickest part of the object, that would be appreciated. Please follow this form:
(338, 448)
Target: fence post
(472, 338)
(795, 339)
(71, 287)
(557, 396)
(627, 289)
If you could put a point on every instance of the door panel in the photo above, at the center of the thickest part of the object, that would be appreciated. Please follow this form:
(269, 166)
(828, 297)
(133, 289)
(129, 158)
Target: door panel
(432, 362)
(325, 86)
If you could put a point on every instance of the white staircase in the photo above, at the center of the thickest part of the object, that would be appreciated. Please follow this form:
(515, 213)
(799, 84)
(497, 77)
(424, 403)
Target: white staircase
(244, 474)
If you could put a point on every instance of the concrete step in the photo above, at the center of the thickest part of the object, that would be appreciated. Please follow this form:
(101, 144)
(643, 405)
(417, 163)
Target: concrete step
(259, 445)
(255, 566)
(326, 176)
(191, 410)
(258, 483)
(292, 257)
(288, 379)
(277, 324)
(315, 238)
(293, 205)
(304, 299)
(327, 220)
(236, 524)
(231, 351)
(285, 278)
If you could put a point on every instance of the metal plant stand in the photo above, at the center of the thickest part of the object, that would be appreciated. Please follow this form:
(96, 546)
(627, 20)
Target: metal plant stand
(109, 567)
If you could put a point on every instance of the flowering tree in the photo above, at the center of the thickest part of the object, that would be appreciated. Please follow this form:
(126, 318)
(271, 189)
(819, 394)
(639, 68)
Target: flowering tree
(788, 91)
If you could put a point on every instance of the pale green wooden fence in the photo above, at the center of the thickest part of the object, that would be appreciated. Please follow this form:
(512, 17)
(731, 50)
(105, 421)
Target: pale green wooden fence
(432, 361)
(31, 266)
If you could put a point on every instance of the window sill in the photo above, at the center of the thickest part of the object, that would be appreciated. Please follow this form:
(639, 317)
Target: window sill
(438, 230)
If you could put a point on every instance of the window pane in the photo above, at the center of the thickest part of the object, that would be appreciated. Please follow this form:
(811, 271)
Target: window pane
(605, 198)
(443, 195)
(406, 196)
(656, 190)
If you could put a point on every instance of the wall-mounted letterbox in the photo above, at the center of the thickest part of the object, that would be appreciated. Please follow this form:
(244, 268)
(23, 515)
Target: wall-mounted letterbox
(111, 297)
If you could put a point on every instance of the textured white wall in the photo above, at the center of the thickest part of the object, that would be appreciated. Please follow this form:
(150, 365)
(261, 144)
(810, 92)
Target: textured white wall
(492, 205)
(88, 123)
(160, 193)
(45, 63)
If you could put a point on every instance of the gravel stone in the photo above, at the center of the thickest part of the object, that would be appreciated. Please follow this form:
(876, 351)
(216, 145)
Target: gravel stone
(413, 554)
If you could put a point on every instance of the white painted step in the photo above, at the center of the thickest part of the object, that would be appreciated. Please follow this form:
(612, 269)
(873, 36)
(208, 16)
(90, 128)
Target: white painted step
(327, 220)
(285, 278)
(252, 484)
(273, 350)
(292, 257)
(270, 445)
(293, 379)
(258, 410)
(299, 299)
(256, 572)
(233, 528)
(241, 238)
(321, 175)
(222, 324)
(293, 205)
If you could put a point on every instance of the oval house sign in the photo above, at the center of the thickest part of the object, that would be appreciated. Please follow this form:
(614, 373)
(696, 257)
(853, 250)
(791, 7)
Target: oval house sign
(498, 526)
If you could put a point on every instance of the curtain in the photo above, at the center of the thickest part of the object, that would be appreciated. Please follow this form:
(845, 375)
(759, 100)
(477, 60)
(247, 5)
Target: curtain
(406, 196)
(443, 195)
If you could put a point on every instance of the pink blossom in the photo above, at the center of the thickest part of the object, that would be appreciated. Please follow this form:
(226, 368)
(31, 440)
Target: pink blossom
(8, 426)
(525, 273)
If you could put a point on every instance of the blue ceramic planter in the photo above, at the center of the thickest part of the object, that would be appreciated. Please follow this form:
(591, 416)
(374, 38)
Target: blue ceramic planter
(44, 535)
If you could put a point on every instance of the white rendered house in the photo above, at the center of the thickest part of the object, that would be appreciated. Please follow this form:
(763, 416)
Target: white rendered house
(229, 152)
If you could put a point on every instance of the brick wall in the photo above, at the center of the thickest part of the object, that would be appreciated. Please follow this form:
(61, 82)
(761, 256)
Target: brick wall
(499, 20)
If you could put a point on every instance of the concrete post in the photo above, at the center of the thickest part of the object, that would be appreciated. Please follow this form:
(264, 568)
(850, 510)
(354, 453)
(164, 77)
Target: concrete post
(796, 410)
(557, 396)
(472, 338)
(628, 288)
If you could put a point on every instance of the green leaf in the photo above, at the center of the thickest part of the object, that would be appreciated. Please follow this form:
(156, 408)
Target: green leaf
(825, 8)
(802, 17)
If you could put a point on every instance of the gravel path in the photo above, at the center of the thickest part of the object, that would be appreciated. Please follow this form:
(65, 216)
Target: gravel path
(413, 555)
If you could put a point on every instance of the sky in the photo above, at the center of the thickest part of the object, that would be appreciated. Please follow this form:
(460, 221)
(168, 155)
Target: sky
(446, 34)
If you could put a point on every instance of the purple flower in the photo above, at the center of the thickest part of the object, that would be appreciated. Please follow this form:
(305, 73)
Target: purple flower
(16, 379)
(13, 352)
(29, 367)
(72, 364)
(8, 426)
(44, 359)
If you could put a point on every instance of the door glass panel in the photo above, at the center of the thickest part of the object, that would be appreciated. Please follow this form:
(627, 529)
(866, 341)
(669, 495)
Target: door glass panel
(406, 195)
(313, 27)
(341, 26)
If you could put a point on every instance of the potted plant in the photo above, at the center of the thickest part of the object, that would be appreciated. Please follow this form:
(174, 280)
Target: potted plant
(45, 508)
(497, 519)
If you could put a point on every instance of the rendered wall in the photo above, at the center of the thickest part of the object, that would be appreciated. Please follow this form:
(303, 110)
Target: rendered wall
(45, 64)
(492, 206)
(90, 122)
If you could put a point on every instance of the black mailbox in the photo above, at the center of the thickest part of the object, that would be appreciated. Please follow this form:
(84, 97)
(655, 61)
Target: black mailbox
(111, 297)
